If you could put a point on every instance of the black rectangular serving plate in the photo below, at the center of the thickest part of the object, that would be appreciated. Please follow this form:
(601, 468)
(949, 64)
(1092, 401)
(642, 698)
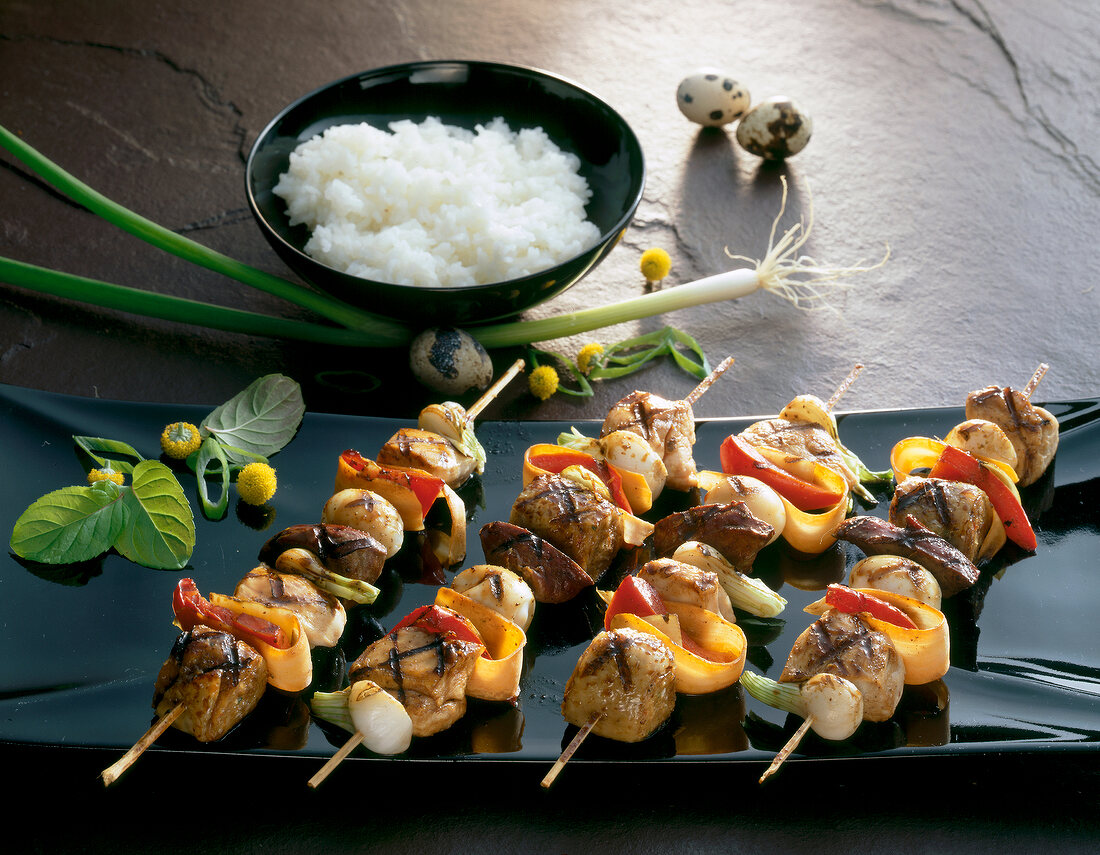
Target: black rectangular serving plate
(82, 644)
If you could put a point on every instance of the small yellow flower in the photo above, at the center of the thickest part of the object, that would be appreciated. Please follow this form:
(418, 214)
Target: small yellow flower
(655, 264)
(543, 382)
(106, 474)
(589, 352)
(256, 483)
(180, 439)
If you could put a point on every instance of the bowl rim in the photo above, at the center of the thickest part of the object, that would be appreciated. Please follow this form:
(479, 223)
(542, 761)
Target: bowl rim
(605, 237)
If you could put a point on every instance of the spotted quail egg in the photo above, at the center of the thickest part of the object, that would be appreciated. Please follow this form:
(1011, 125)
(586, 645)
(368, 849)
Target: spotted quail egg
(775, 129)
(711, 98)
(450, 361)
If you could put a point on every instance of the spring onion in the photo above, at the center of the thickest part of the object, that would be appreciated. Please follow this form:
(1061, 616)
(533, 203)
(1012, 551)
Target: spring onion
(798, 279)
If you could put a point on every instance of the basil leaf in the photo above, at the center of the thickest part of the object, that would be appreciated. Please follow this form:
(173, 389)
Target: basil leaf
(160, 529)
(90, 445)
(261, 419)
(71, 524)
(210, 452)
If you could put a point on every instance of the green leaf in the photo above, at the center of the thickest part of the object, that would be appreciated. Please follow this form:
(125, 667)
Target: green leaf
(96, 447)
(261, 419)
(71, 524)
(210, 452)
(160, 529)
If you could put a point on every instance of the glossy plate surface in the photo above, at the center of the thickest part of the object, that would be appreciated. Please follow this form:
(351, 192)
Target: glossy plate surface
(81, 645)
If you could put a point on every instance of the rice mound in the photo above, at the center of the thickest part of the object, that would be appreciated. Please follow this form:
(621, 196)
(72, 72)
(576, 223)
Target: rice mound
(434, 204)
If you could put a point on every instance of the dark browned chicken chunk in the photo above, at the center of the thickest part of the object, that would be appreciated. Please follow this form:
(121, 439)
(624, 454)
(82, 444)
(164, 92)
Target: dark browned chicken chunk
(668, 427)
(554, 577)
(960, 513)
(953, 570)
(731, 528)
(218, 679)
(628, 679)
(341, 549)
(427, 672)
(1032, 430)
(843, 645)
(582, 524)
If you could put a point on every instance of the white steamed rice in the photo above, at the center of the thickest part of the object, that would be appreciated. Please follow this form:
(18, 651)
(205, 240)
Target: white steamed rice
(433, 204)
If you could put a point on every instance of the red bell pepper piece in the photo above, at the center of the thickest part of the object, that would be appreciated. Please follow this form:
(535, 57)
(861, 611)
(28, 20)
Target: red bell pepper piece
(557, 460)
(738, 457)
(440, 621)
(634, 596)
(954, 464)
(193, 609)
(850, 601)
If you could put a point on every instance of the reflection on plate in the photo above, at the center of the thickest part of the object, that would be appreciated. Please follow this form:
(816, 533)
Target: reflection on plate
(82, 644)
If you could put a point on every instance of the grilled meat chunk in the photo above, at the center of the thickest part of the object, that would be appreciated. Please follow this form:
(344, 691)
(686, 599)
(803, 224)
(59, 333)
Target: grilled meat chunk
(321, 616)
(427, 672)
(960, 513)
(628, 679)
(414, 448)
(582, 524)
(1032, 430)
(341, 549)
(668, 427)
(730, 528)
(218, 679)
(801, 439)
(678, 582)
(554, 577)
(953, 570)
(843, 645)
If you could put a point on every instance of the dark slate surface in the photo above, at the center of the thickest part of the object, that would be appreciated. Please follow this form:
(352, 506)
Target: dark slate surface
(962, 134)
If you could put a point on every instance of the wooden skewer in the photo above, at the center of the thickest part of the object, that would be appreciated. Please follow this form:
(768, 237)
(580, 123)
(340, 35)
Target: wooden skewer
(494, 390)
(786, 750)
(706, 383)
(336, 759)
(1035, 378)
(112, 772)
(569, 751)
(844, 386)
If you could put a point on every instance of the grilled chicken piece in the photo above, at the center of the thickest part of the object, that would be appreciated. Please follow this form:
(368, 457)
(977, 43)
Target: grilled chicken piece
(321, 616)
(1032, 430)
(843, 645)
(218, 679)
(625, 677)
(960, 513)
(341, 549)
(554, 577)
(668, 427)
(730, 528)
(953, 570)
(801, 439)
(414, 448)
(678, 582)
(582, 524)
(426, 672)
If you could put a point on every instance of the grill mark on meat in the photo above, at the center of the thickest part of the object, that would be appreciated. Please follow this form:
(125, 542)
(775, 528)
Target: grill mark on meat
(496, 586)
(407, 443)
(638, 414)
(615, 651)
(230, 660)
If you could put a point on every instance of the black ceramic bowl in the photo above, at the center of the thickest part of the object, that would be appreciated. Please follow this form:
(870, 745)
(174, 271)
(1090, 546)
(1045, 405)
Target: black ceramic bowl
(463, 94)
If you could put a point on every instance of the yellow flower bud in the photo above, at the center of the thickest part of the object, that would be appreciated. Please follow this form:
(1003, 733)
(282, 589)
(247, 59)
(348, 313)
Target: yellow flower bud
(543, 382)
(655, 264)
(589, 352)
(106, 474)
(256, 483)
(180, 439)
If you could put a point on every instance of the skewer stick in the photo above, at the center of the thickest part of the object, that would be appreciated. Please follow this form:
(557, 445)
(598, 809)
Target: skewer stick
(844, 386)
(1035, 378)
(706, 383)
(494, 390)
(336, 759)
(112, 772)
(786, 750)
(569, 751)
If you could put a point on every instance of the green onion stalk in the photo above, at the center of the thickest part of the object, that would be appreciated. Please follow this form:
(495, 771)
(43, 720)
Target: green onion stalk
(782, 271)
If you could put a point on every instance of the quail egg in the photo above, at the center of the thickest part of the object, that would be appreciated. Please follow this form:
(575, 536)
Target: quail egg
(775, 129)
(450, 361)
(711, 98)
